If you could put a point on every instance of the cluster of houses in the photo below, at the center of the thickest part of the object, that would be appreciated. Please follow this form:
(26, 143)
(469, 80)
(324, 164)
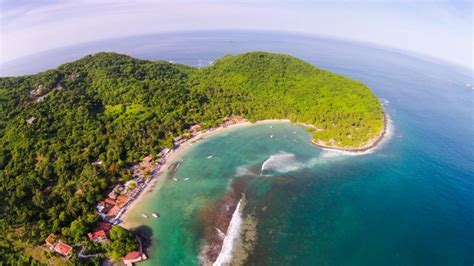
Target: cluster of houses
(228, 121)
(38, 93)
(197, 129)
(114, 205)
(55, 245)
(121, 195)
(100, 233)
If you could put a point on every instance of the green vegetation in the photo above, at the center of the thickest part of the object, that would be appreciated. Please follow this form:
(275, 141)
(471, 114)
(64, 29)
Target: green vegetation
(122, 242)
(116, 109)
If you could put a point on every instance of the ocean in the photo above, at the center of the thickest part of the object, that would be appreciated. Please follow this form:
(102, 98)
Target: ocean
(408, 202)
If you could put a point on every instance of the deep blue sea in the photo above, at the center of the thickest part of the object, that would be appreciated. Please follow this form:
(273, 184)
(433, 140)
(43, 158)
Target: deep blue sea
(409, 202)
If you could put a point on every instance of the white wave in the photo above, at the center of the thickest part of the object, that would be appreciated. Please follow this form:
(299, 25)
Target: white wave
(385, 102)
(282, 162)
(331, 153)
(233, 232)
(220, 233)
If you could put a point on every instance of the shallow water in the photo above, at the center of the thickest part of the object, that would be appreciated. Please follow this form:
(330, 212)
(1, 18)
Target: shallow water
(410, 202)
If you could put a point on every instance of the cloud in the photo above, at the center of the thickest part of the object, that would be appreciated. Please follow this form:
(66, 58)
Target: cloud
(440, 29)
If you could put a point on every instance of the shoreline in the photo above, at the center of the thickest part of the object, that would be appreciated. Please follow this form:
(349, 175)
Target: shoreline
(156, 183)
(128, 222)
(371, 144)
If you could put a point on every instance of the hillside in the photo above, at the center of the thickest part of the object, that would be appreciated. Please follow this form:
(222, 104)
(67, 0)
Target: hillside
(117, 109)
(264, 86)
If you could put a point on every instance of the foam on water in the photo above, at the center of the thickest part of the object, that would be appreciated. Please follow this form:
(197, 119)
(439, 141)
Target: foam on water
(243, 170)
(233, 232)
(284, 162)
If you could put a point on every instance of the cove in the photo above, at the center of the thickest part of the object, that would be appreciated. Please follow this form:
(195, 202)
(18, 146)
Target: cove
(273, 174)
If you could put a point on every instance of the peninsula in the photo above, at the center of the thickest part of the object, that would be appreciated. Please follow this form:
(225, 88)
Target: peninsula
(70, 133)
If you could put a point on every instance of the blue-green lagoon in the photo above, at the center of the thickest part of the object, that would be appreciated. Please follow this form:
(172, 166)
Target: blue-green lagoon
(273, 168)
(409, 202)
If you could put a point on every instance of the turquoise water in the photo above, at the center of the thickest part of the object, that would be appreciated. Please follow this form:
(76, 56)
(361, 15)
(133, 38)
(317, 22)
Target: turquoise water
(410, 202)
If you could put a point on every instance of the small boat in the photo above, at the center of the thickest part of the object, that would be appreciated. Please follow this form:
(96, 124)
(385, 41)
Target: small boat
(210, 157)
(294, 132)
(175, 179)
(186, 179)
(155, 214)
(271, 126)
(144, 215)
(271, 136)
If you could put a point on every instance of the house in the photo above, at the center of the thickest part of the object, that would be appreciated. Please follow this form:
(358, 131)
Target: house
(110, 201)
(118, 188)
(166, 150)
(113, 211)
(227, 121)
(133, 257)
(179, 140)
(50, 240)
(59, 86)
(97, 163)
(195, 128)
(104, 207)
(121, 201)
(112, 195)
(31, 120)
(63, 249)
(97, 236)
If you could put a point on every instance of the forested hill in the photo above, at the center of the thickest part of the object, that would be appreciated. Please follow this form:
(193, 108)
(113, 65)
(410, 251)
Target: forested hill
(114, 108)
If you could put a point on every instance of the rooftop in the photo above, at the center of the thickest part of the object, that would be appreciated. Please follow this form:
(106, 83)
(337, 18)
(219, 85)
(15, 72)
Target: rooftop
(62, 248)
(97, 235)
(132, 255)
(51, 239)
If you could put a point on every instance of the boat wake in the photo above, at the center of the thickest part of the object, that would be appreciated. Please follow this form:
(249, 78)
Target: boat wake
(233, 232)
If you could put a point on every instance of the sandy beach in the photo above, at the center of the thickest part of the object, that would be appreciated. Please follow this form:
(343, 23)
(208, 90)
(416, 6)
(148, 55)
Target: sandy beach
(157, 182)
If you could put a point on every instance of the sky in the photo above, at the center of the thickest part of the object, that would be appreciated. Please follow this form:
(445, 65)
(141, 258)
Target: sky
(441, 29)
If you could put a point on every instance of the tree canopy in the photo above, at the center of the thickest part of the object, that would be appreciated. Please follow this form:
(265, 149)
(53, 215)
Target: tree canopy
(116, 109)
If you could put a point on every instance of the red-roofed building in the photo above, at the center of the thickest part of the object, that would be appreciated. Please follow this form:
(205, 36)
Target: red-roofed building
(110, 201)
(63, 249)
(97, 236)
(121, 200)
(114, 211)
(132, 257)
